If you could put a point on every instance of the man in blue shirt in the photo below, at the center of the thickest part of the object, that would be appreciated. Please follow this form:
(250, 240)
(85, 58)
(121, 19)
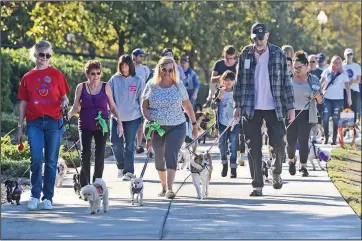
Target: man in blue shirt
(191, 81)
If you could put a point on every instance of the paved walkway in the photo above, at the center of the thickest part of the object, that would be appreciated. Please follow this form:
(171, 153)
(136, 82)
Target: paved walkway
(305, 208)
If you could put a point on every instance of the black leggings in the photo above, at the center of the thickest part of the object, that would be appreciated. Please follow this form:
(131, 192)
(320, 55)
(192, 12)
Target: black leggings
(299, 131)
(86, 136)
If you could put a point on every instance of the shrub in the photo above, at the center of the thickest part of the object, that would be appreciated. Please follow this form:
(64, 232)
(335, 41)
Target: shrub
(11, 152)
(70, 156)
(15, 168)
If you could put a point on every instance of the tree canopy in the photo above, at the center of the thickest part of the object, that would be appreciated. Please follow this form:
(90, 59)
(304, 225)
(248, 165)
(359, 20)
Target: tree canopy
(199, 29)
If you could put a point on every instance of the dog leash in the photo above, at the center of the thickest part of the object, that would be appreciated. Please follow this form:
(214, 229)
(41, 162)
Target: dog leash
(152, 127)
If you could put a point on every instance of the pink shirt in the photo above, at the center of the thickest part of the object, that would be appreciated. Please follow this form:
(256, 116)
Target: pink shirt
(263, 96)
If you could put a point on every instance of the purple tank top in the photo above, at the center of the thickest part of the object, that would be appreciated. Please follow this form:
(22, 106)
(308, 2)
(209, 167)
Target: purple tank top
(90, 106)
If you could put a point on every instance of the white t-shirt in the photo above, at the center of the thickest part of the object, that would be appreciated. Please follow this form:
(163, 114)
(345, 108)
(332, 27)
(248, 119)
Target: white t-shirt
(142, 71)
(352, 71)
(335, 90)
(226, 110)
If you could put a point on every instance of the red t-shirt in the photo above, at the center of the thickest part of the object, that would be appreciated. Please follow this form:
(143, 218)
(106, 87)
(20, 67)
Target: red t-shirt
(43, 89)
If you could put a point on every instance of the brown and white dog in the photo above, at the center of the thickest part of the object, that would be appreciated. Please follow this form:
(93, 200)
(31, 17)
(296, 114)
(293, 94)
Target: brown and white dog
(201, 170)
(61, 171)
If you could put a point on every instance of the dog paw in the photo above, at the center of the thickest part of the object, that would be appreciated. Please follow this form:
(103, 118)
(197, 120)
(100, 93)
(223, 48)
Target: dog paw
(93, 212)
(105, 211)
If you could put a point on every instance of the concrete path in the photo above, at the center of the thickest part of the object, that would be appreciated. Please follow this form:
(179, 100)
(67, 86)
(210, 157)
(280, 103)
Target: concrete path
(305, 208)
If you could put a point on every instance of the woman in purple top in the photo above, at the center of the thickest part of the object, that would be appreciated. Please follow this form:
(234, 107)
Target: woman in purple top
(93, 96)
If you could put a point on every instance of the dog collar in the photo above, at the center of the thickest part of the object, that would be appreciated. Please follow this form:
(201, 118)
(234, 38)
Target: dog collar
(136, 190)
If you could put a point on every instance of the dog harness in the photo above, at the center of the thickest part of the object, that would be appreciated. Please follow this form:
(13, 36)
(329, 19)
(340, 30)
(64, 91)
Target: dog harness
(100, 190)
(136, 190)
(204, 165)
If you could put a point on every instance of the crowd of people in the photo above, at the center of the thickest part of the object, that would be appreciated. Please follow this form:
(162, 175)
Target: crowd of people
(295, 94)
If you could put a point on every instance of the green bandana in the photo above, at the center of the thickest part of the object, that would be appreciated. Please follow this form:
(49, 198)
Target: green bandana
(102, 122)
(154, 126)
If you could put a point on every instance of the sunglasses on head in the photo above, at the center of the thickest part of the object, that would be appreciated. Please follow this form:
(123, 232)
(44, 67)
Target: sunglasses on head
(164, 70)
(259, 38)
(42, 55)
(94, 73)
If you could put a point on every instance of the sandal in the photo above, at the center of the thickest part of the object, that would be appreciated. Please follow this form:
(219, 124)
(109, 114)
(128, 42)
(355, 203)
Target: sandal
(170, 194)
(162, 193)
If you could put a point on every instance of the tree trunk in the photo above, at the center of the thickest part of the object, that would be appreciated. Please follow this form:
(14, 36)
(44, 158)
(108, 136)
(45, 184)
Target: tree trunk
(121, 43)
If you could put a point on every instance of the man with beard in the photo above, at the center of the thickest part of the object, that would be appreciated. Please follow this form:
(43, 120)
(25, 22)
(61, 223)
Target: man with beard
(263, 91)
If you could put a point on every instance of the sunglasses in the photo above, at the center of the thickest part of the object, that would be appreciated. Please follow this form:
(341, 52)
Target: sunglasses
(164, 70)
(259, 38)
(43, 55)
(312, 62)
(349, 54)
(93, 73)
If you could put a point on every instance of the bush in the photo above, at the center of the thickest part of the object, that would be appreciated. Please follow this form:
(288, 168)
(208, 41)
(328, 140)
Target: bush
(14, 168)
(11, 152)
(17, 63)
(70, 156)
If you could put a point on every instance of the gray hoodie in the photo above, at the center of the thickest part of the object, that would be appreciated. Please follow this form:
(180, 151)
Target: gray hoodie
(126, 94)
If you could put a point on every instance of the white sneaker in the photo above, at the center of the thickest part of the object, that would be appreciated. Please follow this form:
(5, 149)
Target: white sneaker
(120, 173)
(127, 177)
(47, 204)
(33, 203)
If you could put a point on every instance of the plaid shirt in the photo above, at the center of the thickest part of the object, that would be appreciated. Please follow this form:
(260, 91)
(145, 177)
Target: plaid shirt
(280, 83)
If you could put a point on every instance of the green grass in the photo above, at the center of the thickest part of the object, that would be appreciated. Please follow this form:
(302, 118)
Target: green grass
(345, 171)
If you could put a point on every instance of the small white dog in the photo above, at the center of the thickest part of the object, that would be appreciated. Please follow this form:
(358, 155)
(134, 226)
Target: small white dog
(315, 153)
(183, 159)
(137, 188)
(62, 169)
(201, 170)
(94, 194)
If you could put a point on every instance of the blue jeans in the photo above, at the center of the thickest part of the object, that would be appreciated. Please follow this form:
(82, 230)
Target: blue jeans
(123, 147)
(44, 133)
(233, 137)
(331, 108)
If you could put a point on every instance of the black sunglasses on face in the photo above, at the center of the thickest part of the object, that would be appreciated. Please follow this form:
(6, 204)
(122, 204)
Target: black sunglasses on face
(42, 55)
(259, 38)
(93, 73)
(349, 54)
(164, 70)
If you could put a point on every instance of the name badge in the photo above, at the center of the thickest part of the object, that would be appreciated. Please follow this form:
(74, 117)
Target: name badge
(247, 64)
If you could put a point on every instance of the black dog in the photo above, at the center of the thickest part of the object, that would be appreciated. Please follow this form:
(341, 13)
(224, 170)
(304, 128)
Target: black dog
(13, 191)
(76, 184)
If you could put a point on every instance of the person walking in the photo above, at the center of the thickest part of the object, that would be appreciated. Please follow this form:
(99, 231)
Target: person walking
(42, 93)
(263, 91)
(93, 98)
(322, 61)
(317, 129)
(353, 71)
(143, 72)
(227, 63)
(223, 102)
(191, 82)
(162, 101)
(288, 50)
(332, 81)
(306, 94)
(126, 90)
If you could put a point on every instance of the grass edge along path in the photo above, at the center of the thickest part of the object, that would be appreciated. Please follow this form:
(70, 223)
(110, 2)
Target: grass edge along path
(345, 172)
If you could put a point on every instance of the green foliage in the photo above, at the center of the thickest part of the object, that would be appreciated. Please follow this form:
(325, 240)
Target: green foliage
(70, 156)
(11, 152)
(8, 122)
(15, 168)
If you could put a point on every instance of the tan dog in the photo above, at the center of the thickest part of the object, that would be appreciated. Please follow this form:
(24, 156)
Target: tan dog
(201, 170)
(94, 194)
(62, 169)
(137, 188)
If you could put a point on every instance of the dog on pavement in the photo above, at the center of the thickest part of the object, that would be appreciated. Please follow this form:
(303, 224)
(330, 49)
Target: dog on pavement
(315, 153)
(13, 191)
(183, 159)
(76, 184)
(62, 169)
(94, 194)
(201, 170)
(137, 189)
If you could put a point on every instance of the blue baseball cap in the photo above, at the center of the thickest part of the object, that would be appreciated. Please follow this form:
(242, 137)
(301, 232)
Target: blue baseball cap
(321, 57)
(137, 52)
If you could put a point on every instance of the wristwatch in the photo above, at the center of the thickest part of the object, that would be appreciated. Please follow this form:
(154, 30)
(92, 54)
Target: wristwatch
(194, 123)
